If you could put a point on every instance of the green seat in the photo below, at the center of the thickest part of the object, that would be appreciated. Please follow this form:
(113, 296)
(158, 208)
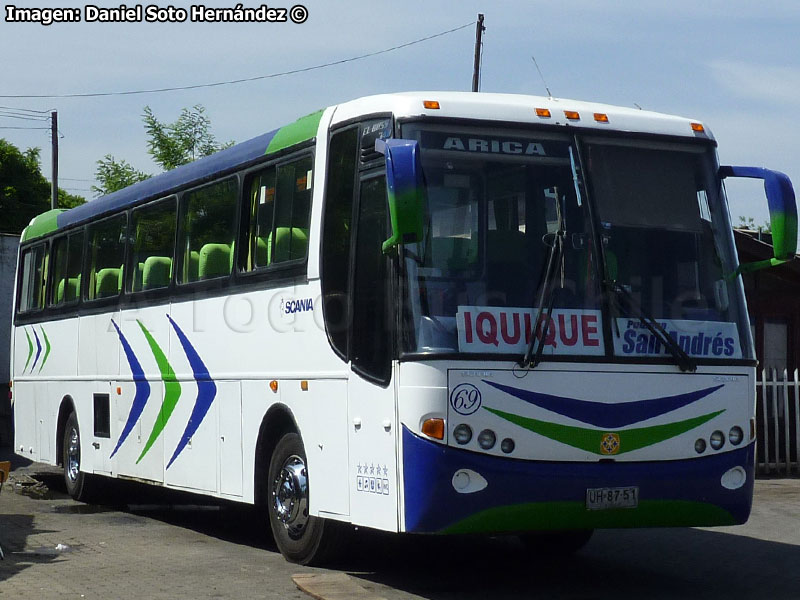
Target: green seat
(214, 261)
(290, 243)
(108, 282)
(68, 289)
(157, 272)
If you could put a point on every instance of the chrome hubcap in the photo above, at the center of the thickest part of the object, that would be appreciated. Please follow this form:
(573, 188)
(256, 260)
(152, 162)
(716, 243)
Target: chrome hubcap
(290, 495)
(73, 455)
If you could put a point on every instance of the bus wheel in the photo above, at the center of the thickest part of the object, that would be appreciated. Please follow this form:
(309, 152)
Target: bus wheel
(76, 480)
(556, 544)
(300, 537)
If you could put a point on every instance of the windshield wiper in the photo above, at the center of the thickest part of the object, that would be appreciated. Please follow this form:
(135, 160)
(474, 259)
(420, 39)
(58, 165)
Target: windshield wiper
(618, 294)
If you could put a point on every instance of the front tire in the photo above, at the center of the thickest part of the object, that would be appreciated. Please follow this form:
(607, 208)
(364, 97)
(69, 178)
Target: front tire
(75, 479)
(300, 537)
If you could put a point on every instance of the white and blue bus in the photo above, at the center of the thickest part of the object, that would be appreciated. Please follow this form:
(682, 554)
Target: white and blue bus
(420, 312)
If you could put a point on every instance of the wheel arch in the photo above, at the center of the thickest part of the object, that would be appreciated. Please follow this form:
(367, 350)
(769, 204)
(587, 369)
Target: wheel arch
(66, 408)
(278, 421)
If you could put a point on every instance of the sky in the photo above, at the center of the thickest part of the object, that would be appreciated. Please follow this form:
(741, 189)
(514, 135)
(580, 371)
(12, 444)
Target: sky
(733, 64)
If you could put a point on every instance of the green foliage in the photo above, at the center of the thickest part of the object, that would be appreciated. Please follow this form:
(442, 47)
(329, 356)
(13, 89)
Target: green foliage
(189, 138)
(24, 191)
(170, 144)
(113, 175)
(750, 223)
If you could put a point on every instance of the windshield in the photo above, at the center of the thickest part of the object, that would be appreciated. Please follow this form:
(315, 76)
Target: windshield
(495, 203)
(496, 199)
(666, 242)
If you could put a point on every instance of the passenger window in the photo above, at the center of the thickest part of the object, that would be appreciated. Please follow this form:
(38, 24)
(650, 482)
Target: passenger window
(153, 230)
(106, 249)
(208, 226)
(66, 258)
(280, 212)
(262, 209)
(33, 279)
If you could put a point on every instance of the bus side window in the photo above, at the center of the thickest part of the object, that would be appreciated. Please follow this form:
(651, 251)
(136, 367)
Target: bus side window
(32, 286)
(279, 213)
(66, 259)
(292, 210)
(261, 193)
(208, 225)
(153, 243)
(106, 255)
(336, 234)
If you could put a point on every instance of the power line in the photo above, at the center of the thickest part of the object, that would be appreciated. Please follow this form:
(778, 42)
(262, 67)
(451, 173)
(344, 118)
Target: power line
(246, 79)
(29, 110)
(47, 128)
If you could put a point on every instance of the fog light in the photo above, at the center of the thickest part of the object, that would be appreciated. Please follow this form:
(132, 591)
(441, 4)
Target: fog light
(736, 435)
(700, 446)
(717, 440)
(486, 439)
(507, 445)
(734, 478)
(462, 433)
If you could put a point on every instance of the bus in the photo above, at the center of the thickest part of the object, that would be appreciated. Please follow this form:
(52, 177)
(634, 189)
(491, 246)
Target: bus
(430, 313)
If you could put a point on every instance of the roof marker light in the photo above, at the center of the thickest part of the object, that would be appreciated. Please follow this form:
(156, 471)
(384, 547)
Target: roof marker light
(433, 104)
(601, 117)
(572, 115)
(698, 127)
(543, 112)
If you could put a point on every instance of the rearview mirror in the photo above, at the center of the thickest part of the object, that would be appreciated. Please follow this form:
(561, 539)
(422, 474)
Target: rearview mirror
(782, 214)
(406, 191)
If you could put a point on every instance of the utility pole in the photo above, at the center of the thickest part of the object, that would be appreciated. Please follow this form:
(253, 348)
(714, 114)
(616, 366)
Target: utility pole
(476, 67)
(54, 142)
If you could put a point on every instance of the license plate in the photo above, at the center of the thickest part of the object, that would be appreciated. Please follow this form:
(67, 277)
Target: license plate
(616, 497)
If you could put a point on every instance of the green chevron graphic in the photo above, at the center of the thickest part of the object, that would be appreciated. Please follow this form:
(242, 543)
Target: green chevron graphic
(172, 391)
(591, 439)
(46, 350)
(30, 350)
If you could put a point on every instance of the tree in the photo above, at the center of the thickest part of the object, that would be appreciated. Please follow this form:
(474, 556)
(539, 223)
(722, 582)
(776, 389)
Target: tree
(750, 223)
(113, 175)
(170, 144)
(24, 191)
(187, 139)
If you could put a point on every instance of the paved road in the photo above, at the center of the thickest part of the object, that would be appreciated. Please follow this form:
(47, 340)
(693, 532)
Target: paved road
(167, 547)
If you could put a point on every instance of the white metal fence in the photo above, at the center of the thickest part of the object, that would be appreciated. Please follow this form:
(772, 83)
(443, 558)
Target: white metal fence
(778, 422)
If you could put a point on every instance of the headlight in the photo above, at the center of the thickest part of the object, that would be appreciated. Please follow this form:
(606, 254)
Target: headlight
(462, 433)
(736, 435)
(717, 440)
(507, 445)
(487, 439)
(700, 446)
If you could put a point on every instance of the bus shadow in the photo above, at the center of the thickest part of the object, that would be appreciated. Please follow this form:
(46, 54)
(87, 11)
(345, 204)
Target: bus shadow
(676, 563)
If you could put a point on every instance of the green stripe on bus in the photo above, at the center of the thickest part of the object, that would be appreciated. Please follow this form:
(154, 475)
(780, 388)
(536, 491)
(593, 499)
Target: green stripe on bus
(591, 439)
(42, 225)
(301, 130)
(46, 350)
(548, 516)
(30, 350)
(172, 391)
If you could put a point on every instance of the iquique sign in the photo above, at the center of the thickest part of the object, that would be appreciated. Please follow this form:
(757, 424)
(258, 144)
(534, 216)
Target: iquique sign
(508, 330)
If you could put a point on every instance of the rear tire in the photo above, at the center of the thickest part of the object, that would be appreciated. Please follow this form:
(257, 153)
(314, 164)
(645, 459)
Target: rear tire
(301, 538)
(556, 544)
(77, 481)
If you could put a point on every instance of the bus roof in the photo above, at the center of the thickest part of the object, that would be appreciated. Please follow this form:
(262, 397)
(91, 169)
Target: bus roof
(509, 108)
(517, 108)
(195, 172)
